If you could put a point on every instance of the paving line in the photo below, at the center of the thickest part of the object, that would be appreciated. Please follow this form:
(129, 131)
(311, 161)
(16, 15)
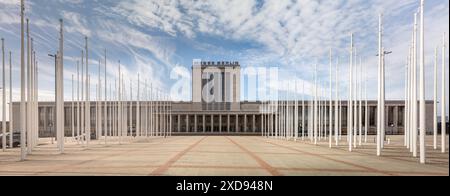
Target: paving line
(260, 161)
(160, 170)
(373, 170)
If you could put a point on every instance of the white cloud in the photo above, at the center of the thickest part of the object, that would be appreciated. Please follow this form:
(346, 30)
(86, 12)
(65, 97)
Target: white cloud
(75, 23)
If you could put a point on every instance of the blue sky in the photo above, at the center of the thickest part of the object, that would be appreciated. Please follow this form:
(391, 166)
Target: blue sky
(154, 36)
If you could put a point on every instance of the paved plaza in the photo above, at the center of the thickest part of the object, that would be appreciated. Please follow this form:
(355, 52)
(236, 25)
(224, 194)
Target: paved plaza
(221, 156)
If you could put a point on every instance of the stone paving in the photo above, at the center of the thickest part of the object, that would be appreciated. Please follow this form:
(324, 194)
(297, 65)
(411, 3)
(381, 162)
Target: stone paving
(222, 156)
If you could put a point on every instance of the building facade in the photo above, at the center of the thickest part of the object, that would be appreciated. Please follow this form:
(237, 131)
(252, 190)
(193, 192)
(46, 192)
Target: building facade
(215, 109)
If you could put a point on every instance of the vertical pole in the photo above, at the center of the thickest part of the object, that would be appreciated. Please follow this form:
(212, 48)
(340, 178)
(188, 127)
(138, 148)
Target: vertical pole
(330, 106)
(350, 101)
(72, 110)
(78, 102)
(11, 131)
(3, 98)
(105, 103)
(435, 126)
(414, 93)
(27, 80)
(87, 104)
(379, 105)
(99, 103)
(422, 84)
(119, 102)
(366, 121)
(138, 112)
(303, 110)
(131, 108)
(336, 107)
(315, 105)
(443, 99)
(23, 141)
(60, 92)
(82, 112)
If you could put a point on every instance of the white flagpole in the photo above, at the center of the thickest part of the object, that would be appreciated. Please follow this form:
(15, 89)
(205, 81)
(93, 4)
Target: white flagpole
(23, 141)
(152, 120)
(414, 94)
(3, 98)
(435, 126)
(366, 121)
(138, 111)
(360, 101)
(72, 110)
(303, 110)
(82, 113)
(60, 92)
(315, 105)
(350, 101)
(408, 98)
(330, 111)
(27, 80)
(379, 105)
(336, 108)
(87, 105)
(105, 103)
(119, 102)
(99, 102)
(422, 84)
(11, 131)
(146, 109)
(78, 102)
(443, 100)
(131, 108)
(296, 112)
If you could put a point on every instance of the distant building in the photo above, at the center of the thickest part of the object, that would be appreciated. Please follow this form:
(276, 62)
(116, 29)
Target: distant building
(226, 114)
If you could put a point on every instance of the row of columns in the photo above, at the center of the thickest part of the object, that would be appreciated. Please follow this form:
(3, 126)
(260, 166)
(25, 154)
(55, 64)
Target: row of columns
(212, 123)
